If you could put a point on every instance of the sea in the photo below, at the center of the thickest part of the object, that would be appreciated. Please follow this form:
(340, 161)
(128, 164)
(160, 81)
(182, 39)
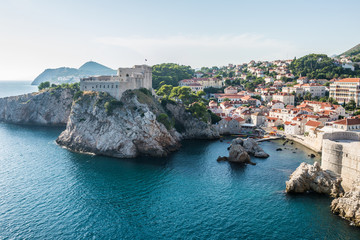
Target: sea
(47, 192)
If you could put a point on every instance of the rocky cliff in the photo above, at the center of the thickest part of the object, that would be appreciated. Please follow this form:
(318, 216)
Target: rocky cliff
(136, 125)
(188, 126)
(48, 107)
(348, 206)
(309, 177)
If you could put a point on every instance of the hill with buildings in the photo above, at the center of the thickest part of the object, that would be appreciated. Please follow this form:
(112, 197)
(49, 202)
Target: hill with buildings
(71, 75)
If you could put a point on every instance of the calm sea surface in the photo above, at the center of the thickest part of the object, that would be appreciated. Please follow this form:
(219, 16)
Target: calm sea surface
(47, 192)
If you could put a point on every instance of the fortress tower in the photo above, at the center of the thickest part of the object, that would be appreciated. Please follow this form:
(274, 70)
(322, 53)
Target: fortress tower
(139, 76)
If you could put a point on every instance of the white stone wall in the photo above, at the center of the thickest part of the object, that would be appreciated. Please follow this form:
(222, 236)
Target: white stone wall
(140, 76)
(341, 154)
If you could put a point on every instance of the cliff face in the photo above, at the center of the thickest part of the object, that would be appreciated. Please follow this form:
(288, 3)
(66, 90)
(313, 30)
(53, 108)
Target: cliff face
(128, 128)
(191, 128)
(49, 107)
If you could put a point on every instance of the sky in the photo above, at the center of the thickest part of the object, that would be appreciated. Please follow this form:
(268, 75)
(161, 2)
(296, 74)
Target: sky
(40, 34)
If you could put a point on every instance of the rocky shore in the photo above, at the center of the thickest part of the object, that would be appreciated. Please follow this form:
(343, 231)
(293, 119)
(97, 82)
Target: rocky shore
(49, 107)
(348, 206)
(240, 151)
(136, 125)
(309, 177)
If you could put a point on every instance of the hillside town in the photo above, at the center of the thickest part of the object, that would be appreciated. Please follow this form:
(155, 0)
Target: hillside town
(280, 103)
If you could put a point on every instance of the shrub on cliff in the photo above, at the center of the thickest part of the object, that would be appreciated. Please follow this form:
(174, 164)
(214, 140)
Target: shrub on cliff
(44, 85)
(146, 91)
(199, 111)
(78, 94)
(214, 118)
(111, 105)
(164, 119)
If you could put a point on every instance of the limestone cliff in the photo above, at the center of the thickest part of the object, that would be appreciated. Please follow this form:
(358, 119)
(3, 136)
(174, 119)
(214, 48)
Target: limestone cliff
(48, 107)
(190, 127)
(348, 206)
(136, 125)
(309, 177)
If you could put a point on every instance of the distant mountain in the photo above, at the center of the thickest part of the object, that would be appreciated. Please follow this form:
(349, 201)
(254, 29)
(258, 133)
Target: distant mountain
(352, 51)
(70, 75)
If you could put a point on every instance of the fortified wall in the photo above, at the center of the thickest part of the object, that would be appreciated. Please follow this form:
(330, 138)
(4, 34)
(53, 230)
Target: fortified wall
(341, 154)
(139, 76)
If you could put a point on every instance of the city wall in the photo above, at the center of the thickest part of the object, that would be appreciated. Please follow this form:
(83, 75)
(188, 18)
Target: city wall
(341, 154)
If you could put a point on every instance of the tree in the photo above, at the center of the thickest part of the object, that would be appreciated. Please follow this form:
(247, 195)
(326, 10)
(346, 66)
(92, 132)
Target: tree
(170, 74)
(44, 85)
(164, 90)
(200, 93)
(351, 105)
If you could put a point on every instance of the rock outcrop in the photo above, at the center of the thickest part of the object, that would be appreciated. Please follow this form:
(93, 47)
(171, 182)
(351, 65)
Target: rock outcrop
(191, 128)
(348, 206)
(240, 151)
(309, 177)
(48, 107)
(136, 125)
(252, 147)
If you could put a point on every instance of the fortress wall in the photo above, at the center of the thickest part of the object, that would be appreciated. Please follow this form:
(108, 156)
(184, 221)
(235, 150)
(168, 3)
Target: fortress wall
(342, 156)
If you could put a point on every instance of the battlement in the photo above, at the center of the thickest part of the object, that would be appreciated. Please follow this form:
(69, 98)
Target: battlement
(139, 76)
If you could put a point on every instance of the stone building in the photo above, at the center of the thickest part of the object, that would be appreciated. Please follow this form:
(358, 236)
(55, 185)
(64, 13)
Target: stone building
(345, 90)
(139, 76)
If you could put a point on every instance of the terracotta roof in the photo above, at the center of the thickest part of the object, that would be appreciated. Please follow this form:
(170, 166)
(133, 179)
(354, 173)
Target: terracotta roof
(239, 119)
(313, 123)
(350, 80)
(348, 121)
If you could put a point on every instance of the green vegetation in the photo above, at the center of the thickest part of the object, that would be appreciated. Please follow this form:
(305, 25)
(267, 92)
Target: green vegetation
(170, 73)
(78, 94)
(199, 111)
(164, 119)
(111, 105)
(145, 91)
(319, 66)
(352, 51)
(214, 118)
(43, 85)
(350, 106)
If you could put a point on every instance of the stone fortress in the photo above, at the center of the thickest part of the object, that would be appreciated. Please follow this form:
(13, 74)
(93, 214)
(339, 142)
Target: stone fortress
(139, 76)
(341, 154)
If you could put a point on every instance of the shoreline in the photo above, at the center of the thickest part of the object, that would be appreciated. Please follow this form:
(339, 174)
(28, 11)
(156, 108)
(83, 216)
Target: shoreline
(305, 143)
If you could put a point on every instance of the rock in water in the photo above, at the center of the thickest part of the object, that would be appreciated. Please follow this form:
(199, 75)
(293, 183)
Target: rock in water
(309, 177)
(253, 148)
(348, 206)
(237, 153)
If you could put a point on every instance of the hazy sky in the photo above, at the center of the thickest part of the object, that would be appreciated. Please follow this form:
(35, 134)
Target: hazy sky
(39, 34)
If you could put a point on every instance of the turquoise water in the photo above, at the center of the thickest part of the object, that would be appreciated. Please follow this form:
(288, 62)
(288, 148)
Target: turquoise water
(14, 88)
(47, 192)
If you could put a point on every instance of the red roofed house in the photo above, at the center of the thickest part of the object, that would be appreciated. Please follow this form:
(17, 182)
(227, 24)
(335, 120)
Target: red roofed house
(348, 124)
(311, 126)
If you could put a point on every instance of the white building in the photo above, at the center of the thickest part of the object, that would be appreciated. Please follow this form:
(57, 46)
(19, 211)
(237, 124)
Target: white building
(345, 90)
(287, 99)
(139, 76)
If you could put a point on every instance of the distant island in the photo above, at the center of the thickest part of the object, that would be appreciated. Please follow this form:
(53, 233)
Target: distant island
(72, 75)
